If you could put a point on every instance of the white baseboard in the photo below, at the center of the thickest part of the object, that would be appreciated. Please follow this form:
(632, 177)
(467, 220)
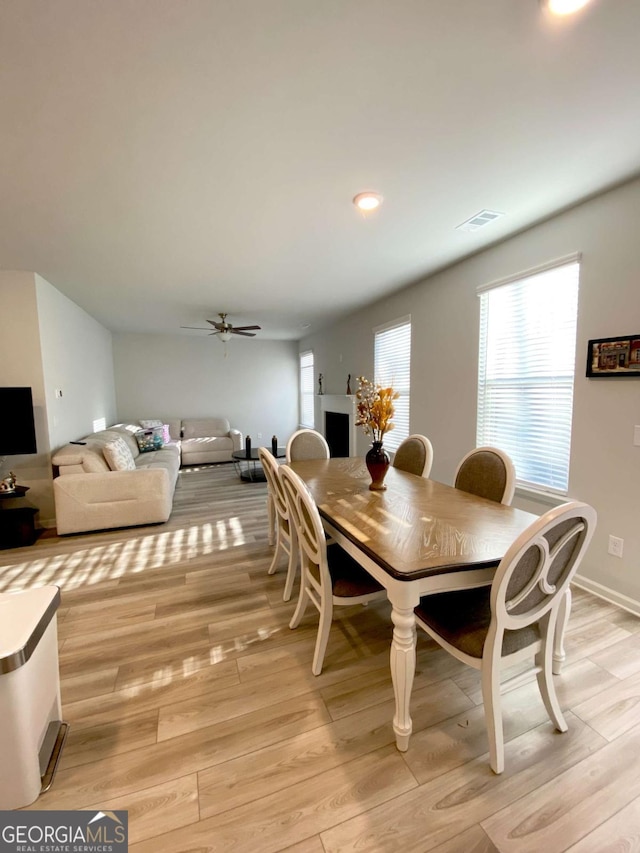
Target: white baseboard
(607, 594)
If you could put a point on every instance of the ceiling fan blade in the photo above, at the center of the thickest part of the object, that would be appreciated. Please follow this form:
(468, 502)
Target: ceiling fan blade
(243, 328)
(199, 328)
(219, 326)
(244, 334)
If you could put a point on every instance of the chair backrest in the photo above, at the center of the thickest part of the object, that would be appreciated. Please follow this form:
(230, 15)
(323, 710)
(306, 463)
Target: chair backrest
(307, 444)
(487, 472)
(538, 567)
(414, 455)
(272, 473)
(305, 517)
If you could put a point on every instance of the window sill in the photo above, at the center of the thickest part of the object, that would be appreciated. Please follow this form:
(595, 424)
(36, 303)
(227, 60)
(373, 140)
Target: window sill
(550, 499)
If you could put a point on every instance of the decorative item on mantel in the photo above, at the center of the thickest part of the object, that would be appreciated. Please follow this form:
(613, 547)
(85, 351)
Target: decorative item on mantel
(349, 385)
(375, 411)
(320, 391)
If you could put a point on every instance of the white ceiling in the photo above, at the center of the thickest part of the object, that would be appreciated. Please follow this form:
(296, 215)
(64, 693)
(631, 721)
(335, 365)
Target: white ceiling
(163, 160)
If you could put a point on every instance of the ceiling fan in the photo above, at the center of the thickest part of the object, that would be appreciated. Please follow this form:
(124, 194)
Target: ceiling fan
(224, 330)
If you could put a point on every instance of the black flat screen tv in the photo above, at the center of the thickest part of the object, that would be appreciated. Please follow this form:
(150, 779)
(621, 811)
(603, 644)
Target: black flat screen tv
(17, 426)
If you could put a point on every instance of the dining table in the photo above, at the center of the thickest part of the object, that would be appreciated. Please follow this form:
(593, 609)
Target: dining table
(416, 537)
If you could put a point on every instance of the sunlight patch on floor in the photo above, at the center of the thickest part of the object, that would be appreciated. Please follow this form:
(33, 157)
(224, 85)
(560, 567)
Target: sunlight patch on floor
(165, 675)
(116, 561)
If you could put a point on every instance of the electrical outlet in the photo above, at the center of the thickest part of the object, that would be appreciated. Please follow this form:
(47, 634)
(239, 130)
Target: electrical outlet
(615, 546)
(259, 435)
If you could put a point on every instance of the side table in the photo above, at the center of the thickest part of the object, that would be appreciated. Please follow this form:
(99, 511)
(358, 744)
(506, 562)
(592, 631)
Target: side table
(17, 519)
(248, 468)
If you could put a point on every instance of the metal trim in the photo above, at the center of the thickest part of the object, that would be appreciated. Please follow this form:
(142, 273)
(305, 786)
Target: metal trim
(14, 660)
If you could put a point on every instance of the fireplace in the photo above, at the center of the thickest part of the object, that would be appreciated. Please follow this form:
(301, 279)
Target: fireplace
(338, 423)
(336, 431)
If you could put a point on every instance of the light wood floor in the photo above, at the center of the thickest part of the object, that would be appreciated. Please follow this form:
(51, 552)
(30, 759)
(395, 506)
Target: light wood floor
(193, 706)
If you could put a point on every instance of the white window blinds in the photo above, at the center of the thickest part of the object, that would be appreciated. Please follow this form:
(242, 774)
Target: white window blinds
(392, 365)
(526, 372)
(307, 415)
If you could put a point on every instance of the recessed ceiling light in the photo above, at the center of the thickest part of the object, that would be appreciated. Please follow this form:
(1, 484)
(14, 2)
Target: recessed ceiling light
(564, 7)
(368, 201)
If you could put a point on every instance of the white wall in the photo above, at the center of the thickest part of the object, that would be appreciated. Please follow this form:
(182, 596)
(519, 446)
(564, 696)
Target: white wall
(21, 364)
(77, 359)
(605, 467)
(47, 342)
(164, 376)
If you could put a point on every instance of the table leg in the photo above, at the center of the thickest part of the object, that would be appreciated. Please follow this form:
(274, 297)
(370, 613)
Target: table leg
(561, 626)
(403, 667)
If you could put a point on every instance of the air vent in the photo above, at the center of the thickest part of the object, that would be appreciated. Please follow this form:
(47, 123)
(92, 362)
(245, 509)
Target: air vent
(484, 217)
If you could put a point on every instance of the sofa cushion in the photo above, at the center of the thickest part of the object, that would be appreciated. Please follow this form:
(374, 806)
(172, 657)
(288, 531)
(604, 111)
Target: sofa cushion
(167, 457)
(118, 455)
(203, 445)
(128, 432)
(205, 427)
(175, 428)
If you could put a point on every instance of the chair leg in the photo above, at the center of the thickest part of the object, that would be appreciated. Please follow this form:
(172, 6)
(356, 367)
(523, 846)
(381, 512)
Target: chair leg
(544, 659)
(493, 713)
(303, 600)
(324, 629)
(561, 626)
(291, 572)
(276, 556)
(271, 518)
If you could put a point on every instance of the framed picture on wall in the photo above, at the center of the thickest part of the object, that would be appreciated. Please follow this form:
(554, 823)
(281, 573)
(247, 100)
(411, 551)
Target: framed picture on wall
(614, 356)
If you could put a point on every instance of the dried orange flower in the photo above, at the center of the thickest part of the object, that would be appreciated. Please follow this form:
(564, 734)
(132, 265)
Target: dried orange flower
(375, 408)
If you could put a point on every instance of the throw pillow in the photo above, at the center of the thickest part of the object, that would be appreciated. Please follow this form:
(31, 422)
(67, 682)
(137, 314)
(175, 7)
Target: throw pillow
(166, 435)
(118, 456)
(149, 424)
(149, 439)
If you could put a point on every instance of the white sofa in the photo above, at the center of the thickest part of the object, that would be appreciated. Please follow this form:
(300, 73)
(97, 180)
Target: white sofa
(205, 440)
(90, 496)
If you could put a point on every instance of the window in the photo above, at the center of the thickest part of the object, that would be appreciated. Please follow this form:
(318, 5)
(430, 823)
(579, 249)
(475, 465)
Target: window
(526, 370)
(307, 414)
(392, 366)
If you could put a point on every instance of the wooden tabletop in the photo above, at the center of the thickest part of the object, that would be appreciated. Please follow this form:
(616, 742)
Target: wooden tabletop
(417, 527)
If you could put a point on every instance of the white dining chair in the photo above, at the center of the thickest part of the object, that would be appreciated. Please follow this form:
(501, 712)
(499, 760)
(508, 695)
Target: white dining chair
(285, 535)
(328, 575)
(306, 444)
(414, 455)
(487, 472)
(515, 618)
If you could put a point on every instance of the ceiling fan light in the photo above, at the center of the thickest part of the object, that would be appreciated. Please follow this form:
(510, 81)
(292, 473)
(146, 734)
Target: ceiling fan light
(225, 336)
(368, 201)
(564, 7)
